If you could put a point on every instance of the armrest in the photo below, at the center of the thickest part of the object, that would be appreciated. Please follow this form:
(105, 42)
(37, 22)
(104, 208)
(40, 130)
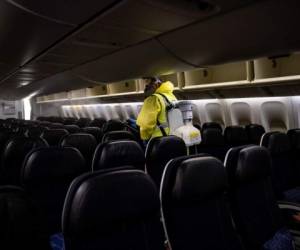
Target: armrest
(291, 215)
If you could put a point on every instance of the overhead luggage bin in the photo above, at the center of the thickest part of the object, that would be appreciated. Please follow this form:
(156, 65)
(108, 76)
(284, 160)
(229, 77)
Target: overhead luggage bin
(122, 87)
(274, 69)
(97, 90)
(148, 58)
(220, 75)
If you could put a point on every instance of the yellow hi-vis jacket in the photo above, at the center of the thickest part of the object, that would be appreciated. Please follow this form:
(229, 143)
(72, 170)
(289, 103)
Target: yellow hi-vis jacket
(154, 108)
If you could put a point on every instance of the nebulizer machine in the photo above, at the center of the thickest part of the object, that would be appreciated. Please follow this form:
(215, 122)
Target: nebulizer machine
(181, 124)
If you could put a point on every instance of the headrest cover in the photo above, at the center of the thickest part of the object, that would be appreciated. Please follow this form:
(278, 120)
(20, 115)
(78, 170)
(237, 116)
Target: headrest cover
(235, 135)
(212, 137)
(294, 136)
(52, 163)
(104, 199)
(253, 163)
(118, 135)
(118, 153)
(277, 143)
(199, 179)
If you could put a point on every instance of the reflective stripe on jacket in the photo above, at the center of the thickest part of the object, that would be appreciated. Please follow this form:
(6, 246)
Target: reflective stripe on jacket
(154, 108)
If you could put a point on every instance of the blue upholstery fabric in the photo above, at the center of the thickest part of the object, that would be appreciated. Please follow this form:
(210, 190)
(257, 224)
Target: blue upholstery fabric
(292, 195)
(282, 240)
(57, 241)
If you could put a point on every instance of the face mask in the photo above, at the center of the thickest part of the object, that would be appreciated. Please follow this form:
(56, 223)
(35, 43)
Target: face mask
(149, 90)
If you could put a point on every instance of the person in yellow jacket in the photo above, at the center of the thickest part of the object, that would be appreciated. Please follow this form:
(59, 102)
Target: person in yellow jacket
(153, 115)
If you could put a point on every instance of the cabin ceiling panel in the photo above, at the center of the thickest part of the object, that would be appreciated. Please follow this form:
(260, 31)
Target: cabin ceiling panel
(262, 29)
(23, 35)
(70, 12)
(147, 58)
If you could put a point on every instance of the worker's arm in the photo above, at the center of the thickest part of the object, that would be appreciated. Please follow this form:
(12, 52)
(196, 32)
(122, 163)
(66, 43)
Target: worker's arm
(147, 118)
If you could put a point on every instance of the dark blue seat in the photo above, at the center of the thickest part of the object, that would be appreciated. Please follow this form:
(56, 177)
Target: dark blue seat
(113, 209)
(72, 129)
(114, 154)
(213, 143)
(235, 136)
(21, 226)
(95, 131)
(54, 136)
(13, 156)
(118, 135)
(113, 125)
(46, 176)
(195, 212)
(85, 143)
(283, 166)
(255, 133)
(209, 125)
(254, 206)
(159, 151)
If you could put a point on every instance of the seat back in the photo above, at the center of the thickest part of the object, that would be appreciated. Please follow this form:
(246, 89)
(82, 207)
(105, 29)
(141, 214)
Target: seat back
(95, 131)
(118, 153)
(213, 143)
(112, 125)
(83, 122)
(14, 154)
(211, 125)
(235, 136)
(85, 143)
(283, 169)
(254, 206)
(195, 213)
(34, 132)
(118, 209)
(97, 122)
(20, 226)
(46, 176)
(72, 129)
(160, 150)
(54, 136)
(254, 132)
(294, 138)
(118, 135)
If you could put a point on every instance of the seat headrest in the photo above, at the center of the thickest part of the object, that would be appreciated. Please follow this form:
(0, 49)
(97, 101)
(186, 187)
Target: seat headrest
(199, 179)
(235, 135)
(101, 200)
(112, 125)
(255, 132)
(52, 163)
(118, 153)
(72, 129)
(276, 142)
(253, 163)
(95, 131)
(162, 149)
(215, 125)
(118, 135)
(294, 137)
(212, 137)
(20, 146)
(97, 122)
(79, 140)
(53, 136)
